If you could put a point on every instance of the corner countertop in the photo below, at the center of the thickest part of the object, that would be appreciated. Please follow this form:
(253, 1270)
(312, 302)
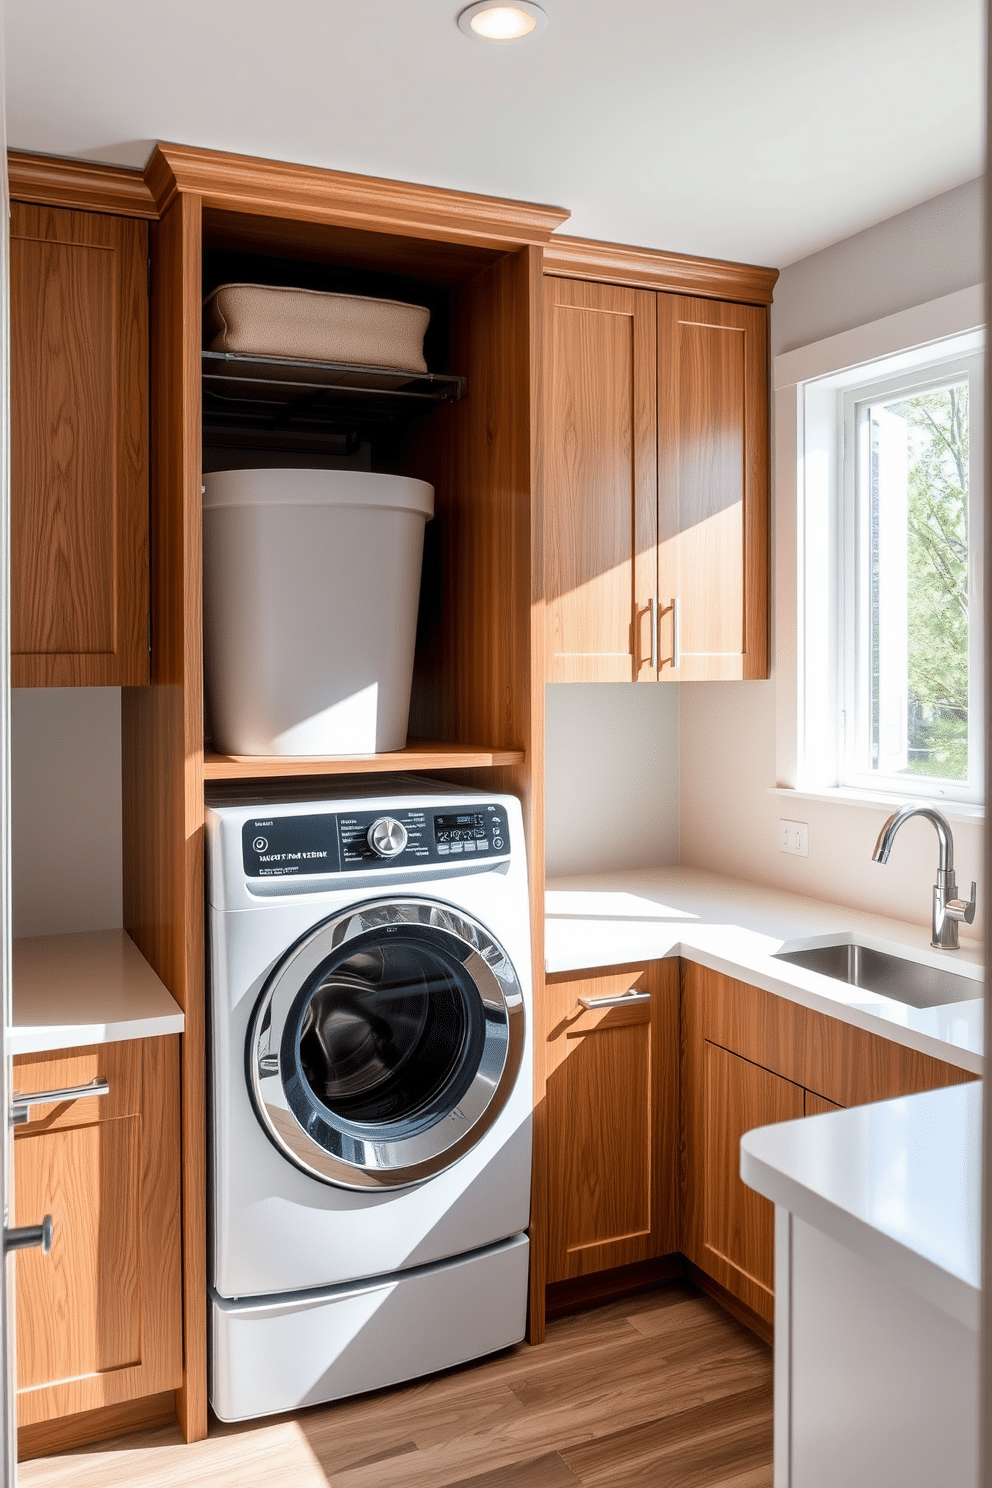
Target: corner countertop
(898, 1183)
(93, 988)
(611, 919)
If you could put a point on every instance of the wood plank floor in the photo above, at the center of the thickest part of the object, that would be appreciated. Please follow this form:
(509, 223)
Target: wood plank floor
(664, 1389)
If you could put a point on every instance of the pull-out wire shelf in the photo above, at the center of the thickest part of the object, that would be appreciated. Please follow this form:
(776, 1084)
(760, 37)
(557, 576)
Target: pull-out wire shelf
(272, 401)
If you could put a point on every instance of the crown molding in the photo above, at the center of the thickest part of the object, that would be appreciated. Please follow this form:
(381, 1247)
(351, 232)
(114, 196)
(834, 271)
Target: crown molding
(242, 183)
(647, 268)
(83, 185)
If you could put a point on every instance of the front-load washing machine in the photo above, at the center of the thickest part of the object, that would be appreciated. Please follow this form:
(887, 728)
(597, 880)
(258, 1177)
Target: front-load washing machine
(371, 1087)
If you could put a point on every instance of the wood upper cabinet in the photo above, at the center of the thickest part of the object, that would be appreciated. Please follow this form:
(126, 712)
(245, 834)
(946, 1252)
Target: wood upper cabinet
(612, 1114)
(749, 1059)
(712, 489)
(654, 444)
(98, 1318)
(79, 448)
(600, 479)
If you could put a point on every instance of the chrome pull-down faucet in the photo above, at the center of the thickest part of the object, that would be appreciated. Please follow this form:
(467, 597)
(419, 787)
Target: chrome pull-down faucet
(948, 909)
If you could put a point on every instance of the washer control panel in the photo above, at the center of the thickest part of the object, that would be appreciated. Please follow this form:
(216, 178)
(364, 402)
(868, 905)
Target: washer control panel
(332, 842)
(387, 837)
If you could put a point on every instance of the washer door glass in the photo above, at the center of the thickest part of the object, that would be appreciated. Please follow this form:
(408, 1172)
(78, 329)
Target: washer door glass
(386, 1043)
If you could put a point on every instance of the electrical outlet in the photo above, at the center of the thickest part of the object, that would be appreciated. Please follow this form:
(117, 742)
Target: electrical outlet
(793, 837)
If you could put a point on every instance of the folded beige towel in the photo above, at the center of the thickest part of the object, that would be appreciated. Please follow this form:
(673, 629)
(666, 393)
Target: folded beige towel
(312, 326)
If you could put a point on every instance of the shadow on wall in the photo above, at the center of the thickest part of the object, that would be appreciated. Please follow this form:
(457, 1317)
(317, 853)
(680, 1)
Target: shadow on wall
(611, 777)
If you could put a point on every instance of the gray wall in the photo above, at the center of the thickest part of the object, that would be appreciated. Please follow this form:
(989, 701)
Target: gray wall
(65, 809)
(929, 251)
(729, 822)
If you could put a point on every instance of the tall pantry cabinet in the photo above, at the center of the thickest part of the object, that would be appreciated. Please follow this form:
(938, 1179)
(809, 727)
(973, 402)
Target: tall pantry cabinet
(477, 706)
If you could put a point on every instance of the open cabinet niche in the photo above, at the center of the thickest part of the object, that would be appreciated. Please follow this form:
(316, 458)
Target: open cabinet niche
(477, 690)
(437, 427)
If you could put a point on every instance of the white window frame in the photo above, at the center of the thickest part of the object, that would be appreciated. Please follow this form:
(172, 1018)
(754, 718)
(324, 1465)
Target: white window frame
(852, 769)
(808, 610)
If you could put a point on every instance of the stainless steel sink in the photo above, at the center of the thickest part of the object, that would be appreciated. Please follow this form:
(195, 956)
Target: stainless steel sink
(892, 976)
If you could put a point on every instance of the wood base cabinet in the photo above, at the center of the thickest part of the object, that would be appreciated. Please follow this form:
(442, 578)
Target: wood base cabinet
(99, 1318)
(612, 1114)
(750, 1059)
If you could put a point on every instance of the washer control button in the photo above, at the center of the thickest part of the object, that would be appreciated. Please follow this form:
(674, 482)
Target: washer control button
(387, 837)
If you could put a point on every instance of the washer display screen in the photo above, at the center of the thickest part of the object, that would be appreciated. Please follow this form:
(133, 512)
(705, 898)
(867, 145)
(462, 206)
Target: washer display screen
(465, 827)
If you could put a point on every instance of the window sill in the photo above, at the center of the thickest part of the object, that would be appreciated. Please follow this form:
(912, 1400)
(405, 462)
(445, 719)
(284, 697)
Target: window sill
(881, 801)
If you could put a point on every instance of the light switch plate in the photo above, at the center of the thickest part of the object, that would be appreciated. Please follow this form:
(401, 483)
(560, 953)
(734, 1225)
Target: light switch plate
(793, 837)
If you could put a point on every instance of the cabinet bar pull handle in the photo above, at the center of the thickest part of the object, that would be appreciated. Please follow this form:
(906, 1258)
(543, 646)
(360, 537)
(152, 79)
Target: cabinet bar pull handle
(53, 1097)
(620, 1000)
(654, 633)
(676, 635)
(30, 1237)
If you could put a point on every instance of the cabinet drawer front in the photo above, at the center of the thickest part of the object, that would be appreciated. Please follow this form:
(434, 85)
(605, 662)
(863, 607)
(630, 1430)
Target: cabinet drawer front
(842, 1063)
(99, 1318)
(119, 1064)
(88, 1178)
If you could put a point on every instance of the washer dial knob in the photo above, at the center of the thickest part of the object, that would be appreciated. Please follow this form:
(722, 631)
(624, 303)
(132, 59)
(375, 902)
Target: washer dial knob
(387, 837)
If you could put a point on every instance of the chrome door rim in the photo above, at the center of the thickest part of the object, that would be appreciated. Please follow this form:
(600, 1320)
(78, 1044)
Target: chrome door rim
(356, 1162)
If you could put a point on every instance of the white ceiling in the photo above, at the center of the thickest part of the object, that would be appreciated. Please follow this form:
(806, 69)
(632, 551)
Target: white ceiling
(758, 130)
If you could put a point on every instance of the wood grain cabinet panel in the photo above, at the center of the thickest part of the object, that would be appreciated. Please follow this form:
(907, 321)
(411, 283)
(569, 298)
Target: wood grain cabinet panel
(79, 448)
(750, 1058)
(712, 489)
(655, 458)
(738, 1224)
(612, 1108)
(600, 488)
(99, 1318)
(818, 1105)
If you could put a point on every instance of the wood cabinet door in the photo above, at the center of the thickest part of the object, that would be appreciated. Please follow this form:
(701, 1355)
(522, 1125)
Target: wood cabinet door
(79, 448)
(99, 1319)
(750, 1058)
(612, 1107)
(599, 480)
(818, 1105)
(713, 495)
(738, 1234)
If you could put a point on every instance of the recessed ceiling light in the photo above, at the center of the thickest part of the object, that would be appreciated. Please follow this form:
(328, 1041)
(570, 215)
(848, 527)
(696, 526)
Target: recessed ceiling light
(490, 20)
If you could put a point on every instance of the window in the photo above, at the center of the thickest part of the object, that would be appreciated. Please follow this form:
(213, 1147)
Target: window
(910, 649)
(891, 569)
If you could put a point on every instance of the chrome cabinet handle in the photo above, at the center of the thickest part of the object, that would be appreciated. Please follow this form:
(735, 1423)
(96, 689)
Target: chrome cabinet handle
(676, 635)
(654, 632)
(29, 1237)
(21, 1103)
(620, 1000)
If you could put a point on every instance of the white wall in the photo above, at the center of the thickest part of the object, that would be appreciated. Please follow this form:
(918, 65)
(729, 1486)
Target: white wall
(729, 822)
(611, 776)
(65, 809)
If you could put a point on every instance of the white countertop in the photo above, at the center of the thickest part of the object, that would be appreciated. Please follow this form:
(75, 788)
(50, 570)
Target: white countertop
(609, 919)
(95, 988)
(898, 1183)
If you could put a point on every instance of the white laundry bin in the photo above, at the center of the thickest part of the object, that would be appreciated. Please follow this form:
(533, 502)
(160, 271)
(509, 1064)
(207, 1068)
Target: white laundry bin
(311, 580)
